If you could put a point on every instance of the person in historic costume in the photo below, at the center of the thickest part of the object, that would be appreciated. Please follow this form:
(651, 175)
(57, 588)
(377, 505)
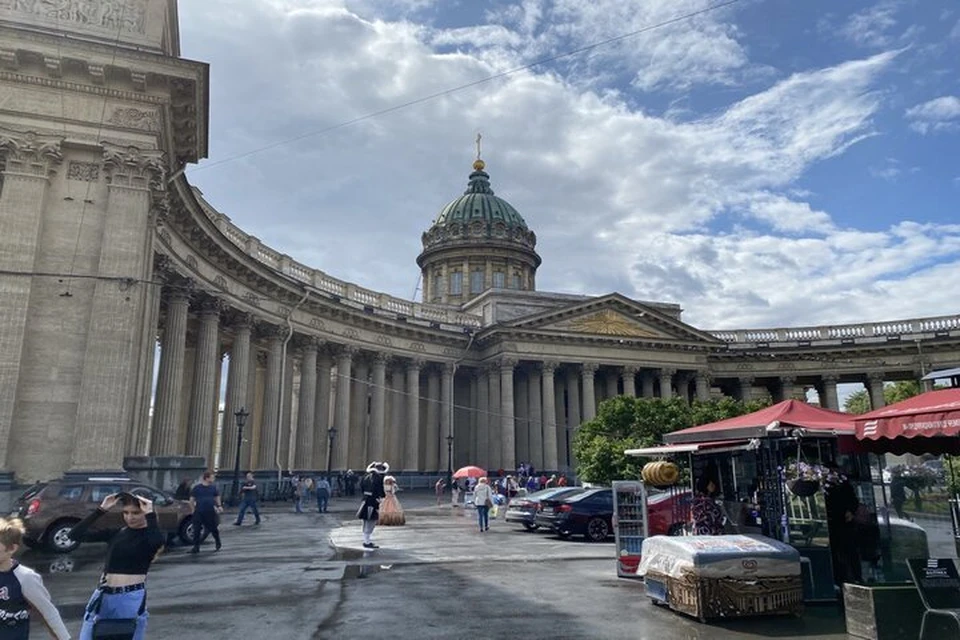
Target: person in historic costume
(706, 515)
(842, 506)
(391, 513)
(371, 486)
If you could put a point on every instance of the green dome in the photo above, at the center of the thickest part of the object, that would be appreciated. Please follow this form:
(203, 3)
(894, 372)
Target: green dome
(478, 203)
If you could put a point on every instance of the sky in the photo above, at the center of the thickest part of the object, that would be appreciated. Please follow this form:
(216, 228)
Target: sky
(768, 163)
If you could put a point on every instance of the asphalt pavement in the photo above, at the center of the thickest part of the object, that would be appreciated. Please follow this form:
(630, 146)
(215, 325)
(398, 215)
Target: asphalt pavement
(306, 576)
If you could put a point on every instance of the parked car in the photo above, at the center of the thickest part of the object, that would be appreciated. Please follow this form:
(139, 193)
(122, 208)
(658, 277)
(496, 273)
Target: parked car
(50, 509)
(668, 512)
(589, 514)
(524, 510)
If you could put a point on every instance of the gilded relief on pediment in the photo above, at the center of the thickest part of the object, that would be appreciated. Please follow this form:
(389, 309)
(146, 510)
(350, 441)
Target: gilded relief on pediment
(608, 323)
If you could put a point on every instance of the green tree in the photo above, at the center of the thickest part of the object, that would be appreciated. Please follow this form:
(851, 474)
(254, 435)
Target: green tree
(631, 423)
(859, 402)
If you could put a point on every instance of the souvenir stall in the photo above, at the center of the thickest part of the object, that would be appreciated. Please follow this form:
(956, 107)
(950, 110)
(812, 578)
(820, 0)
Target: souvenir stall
(767, 476)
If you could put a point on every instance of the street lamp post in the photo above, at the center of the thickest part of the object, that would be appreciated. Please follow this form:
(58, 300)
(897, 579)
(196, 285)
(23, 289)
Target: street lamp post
(450, 460)
(331, 434)
(241, 417)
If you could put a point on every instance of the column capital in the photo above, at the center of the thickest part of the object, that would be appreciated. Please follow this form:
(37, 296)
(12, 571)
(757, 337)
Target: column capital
(272, 331)
(506, 363)
(589, 368)
(206, 305)
(129, 166)
(549, 367)
(306, 342)
(237, 319)
(416, 364)
(344, 351)
(746, 379)
(30, 154)
(667, 372)
(830, 378)
(788, 379)
(631, 370)
(876, 376)
(382, 358)
(703, 376)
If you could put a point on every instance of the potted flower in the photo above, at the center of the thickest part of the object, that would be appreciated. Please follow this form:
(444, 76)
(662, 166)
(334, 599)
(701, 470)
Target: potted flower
(803, 479)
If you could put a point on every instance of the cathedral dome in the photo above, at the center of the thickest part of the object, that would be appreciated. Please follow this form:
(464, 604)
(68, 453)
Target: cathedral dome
(477, 242)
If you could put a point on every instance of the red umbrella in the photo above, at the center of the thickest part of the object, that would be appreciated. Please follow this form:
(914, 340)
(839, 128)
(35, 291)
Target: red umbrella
(470, 471)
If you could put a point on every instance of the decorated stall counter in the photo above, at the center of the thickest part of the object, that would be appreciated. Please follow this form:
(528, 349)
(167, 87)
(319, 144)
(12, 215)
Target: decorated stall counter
(722, 576)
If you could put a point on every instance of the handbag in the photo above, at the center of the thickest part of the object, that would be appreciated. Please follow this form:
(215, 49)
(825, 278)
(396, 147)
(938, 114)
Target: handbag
(116, 628)
(488, 503)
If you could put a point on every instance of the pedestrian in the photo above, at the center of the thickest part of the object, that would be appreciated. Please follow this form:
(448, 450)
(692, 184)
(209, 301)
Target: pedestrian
(248, 499)
(298, 490)
(323, 494)
(391, 513)
(455, 494)
(483, 499)
(551, 482)
(205, 499)
(438, 488)
(22, 590)
(562, 481)
(372, 488)
(183, 489)
(531, 484)
(119, 603)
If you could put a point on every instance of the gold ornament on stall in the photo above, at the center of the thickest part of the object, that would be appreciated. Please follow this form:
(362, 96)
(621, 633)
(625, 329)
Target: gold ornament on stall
(660, 473)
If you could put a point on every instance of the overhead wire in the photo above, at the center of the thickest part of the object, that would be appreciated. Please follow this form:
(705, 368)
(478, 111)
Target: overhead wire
(463, 87)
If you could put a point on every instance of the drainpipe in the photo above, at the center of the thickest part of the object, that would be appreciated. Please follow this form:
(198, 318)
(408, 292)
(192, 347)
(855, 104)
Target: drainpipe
(283, 378)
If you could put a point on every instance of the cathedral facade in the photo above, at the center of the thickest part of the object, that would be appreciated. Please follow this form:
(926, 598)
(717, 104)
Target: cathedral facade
(110, 259)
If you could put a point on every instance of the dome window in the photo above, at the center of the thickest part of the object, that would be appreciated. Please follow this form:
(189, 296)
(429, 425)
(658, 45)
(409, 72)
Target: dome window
(476, 281)
(456, 283)
(499, 280)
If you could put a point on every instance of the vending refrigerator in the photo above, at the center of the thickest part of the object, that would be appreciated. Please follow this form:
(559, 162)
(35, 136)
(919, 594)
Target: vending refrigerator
(630, 525)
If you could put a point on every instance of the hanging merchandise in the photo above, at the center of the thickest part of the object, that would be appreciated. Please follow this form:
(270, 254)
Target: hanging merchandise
(661, 473)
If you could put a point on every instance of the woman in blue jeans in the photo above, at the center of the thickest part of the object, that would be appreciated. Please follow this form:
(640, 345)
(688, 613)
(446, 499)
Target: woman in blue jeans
(122, 591)
(483, 499)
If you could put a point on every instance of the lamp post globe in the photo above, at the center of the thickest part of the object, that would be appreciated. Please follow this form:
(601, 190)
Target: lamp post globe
(241, 418)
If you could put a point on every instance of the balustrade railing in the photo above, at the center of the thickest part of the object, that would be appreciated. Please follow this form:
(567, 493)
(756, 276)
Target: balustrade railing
(826, 333)
(328, 284)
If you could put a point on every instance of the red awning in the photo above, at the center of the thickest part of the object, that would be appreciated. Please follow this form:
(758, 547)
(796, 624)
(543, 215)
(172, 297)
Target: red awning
(697, 447)
(929, 415)
(786, 415)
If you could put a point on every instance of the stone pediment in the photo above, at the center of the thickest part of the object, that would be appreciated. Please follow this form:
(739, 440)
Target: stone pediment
(611, 316)
(607, 323)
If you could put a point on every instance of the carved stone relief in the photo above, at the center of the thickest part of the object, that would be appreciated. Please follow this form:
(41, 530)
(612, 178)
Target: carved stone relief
(317, 323)
(114, 15)
(134, 118)
(83, 171)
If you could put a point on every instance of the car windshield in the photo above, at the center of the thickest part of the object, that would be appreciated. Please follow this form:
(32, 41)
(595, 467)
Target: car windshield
(584, 495)
(543, 494)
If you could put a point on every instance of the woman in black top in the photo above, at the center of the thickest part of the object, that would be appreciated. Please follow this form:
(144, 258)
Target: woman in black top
(121, 593)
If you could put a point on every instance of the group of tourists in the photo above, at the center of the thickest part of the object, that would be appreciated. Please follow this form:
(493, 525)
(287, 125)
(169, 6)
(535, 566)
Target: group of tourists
(379, 504)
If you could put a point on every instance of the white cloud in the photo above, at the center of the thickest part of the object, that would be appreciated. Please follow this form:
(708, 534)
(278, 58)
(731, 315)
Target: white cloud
(654, 207)
(939, 114)
(871, 27)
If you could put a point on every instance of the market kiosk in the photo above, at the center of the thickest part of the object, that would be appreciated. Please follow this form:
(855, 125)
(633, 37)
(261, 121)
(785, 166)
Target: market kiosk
(772, 467)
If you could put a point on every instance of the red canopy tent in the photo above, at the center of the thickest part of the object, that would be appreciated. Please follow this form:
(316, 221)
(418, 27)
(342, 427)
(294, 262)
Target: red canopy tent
(927, 423)
(784, 416)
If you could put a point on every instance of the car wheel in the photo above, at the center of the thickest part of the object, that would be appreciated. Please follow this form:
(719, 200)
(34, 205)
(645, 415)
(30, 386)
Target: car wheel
(185, 531)
(676, 529)
(530, 527)
(58, 536)
(597, 530)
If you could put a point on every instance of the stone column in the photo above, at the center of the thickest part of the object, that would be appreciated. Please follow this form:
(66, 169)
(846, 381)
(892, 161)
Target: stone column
(646, 382)
(666, 383)
(612, 379)
(630, 381)
(306, 411)
(703, 386)
(411, 457)
(205, 401)
(472, 421)
(378, 409)
(113, 347)
(830, 400)
(357, 452)
(267, 454)
(432, 427)
(560, 410)
(30, 161)
(508, 452)
(535, 394)
(787, 387)
(521, 408)
(255, 384)
(483, 419)
(342, 419)
(587, 373)
(287, 410)
(238, 379)
(547, 369)
(446, 415)
(875, 389)
(573, 400)
(395, 431)
(166, 417)
(746, 388)
(321, 414)
(496, 419)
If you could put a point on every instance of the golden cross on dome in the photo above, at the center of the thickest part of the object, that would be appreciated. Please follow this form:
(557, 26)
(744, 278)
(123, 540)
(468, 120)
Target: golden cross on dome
(479, 138)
